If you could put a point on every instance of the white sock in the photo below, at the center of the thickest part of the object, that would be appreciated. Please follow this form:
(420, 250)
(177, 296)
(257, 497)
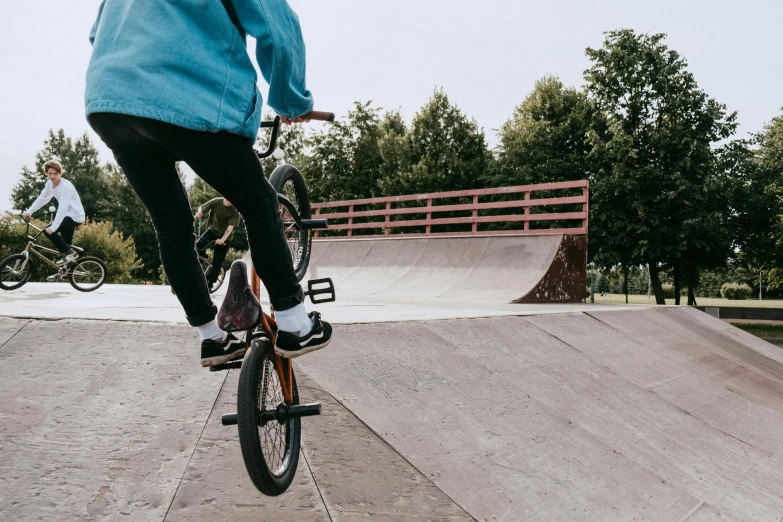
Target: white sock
(294, 320)
(211, 331)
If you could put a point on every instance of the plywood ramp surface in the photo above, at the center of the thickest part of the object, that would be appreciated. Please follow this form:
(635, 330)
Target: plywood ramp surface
(653, 414)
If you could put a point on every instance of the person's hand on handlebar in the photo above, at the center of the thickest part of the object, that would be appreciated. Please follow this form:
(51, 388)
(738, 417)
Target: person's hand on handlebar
(26, 216)
(300, 119)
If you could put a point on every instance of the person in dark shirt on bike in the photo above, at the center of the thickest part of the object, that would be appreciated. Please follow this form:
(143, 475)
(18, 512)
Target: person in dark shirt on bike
(172, 81)
(223, 219)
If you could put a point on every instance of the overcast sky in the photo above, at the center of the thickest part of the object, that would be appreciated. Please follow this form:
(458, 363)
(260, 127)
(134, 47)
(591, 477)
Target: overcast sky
(486, 55)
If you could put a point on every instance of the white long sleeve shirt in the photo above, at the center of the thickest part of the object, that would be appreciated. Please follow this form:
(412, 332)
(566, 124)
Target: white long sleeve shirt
(69, 203)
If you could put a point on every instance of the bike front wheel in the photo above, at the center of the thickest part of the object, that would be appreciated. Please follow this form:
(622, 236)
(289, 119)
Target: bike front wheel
(15, 271)
(288, 181)
(270, 449)
(206, 266)
(87, 274)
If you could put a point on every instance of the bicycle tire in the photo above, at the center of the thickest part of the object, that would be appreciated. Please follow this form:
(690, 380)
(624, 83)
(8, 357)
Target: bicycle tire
(206, 265)
(257, 376)
(85, 262)
(5, 269)
(288, 181)
(219, 282)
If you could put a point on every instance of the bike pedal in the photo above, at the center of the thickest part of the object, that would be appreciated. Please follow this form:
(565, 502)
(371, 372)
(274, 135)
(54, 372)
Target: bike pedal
(229, 419)
(314, 293)
(228, 366)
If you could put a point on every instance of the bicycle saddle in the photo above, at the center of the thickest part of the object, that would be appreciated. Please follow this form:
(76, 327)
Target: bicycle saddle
(240, 309)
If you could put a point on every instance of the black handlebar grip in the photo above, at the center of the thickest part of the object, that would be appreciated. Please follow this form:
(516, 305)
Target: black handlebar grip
(320, 116)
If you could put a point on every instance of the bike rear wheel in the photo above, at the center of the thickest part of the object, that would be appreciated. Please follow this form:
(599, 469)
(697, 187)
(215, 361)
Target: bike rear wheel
(87, 274)
(271, 450)
(14, 273)
(288, 181)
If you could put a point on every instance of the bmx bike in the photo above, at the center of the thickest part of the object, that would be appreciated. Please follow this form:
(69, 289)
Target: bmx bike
(85, 273)
(206, 266)
(268, 416)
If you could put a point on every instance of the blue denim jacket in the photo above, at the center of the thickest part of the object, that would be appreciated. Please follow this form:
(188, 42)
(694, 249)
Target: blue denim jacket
(184, 62)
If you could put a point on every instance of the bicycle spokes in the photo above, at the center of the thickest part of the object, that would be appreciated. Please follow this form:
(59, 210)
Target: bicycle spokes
(16, 271)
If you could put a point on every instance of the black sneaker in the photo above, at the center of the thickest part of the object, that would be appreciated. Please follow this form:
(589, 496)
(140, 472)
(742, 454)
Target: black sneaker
(220, 352)
(290, 346)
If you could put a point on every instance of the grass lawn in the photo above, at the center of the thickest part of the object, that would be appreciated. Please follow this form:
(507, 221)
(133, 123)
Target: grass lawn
(761, 329)
(701, 301)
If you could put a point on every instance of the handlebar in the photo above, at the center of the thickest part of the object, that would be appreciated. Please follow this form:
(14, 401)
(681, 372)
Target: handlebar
(275, 126)
(319, 116)
(29, 224)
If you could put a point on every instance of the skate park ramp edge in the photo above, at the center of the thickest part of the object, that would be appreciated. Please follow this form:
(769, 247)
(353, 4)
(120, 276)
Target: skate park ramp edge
(499, 269)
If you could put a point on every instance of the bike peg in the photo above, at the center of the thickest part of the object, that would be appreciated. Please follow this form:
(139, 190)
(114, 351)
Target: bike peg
(328, 290)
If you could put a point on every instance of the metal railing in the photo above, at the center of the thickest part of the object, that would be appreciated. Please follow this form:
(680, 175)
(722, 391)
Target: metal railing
(517, 207)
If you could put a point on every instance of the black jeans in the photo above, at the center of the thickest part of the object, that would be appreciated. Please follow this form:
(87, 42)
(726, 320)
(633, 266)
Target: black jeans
(63, 236)
(218, 254)
(147, 151)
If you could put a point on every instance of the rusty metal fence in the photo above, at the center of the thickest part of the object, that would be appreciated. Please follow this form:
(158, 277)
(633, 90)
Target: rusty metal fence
(524, 209)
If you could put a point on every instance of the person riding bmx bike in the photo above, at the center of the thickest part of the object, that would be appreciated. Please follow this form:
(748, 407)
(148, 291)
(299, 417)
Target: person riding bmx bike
(172, 81)
(222, 220)
(69, 215)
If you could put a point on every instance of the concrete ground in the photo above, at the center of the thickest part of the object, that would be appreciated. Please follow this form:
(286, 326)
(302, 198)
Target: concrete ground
(547, 413)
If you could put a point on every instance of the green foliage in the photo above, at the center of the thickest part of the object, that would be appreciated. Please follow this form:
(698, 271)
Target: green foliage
(774, 279)
(764, 330)
(757, 196)
(345, 161)
(546, 138)
(735, 291)
(232, 255)
(12, 230)
(199, 192)
(602, 285)
(80, 166)
(131, 218)
(102, 240)
(656, 197)
(443, 150)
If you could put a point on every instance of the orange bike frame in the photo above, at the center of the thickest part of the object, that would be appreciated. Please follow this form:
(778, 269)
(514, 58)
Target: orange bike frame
(283, 365)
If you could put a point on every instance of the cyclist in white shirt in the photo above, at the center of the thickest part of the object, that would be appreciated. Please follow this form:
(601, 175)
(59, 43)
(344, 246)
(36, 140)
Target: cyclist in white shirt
(70, 212)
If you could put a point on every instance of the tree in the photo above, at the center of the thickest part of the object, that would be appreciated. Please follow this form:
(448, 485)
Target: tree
(443, 150)
(344, 162)
(656, 166)
(103, 240)
(131, 219)
(758, 199)
(545, 140)
(199, 192)
(80, 166)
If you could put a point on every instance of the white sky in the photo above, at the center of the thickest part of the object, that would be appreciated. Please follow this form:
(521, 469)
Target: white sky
(486, 55)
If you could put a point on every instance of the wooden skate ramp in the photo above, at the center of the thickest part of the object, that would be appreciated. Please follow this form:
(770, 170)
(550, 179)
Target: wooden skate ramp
(661, 414)
(499, 269)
